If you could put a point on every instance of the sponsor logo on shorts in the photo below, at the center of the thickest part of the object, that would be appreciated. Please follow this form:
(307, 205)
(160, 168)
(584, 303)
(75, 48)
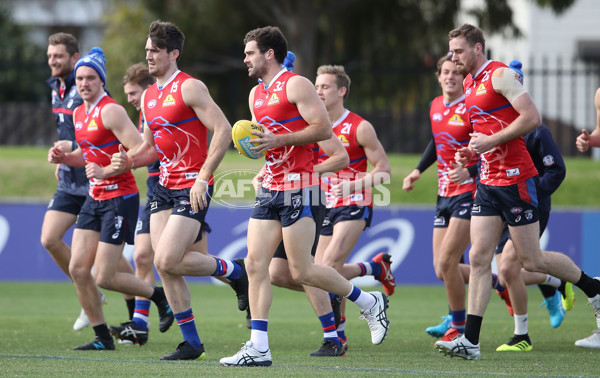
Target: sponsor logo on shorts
(518, 219)
(355, 212)
(463, 212)
(475, 209)
(153, 205)
(115, 235)
(439, 221)
(295, 214)
(516, 210)
(181, 209)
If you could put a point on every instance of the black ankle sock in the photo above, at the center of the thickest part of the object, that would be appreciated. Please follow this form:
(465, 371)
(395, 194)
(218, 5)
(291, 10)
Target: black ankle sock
(588, 285)
(562, 287)
(547, 290)
(130, 307)
(102, 332)
(157, 295)
(473, 328)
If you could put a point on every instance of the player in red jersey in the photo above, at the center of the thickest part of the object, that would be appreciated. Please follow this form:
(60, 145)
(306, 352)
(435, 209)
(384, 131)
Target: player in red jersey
(292, 118)
(451, 128)
(108, 216)
(501, 112)
(178, 111)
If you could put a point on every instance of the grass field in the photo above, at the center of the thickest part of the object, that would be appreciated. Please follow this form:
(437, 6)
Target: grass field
(36, 338)
(26, 176)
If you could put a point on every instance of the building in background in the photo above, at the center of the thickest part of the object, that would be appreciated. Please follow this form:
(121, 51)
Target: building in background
(82, 18)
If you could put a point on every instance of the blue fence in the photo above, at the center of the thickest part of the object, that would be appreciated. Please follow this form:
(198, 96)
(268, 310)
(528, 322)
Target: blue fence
(405, 233)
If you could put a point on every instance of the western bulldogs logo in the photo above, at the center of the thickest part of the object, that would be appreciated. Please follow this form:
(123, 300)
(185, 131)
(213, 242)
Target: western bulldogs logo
(529, 215)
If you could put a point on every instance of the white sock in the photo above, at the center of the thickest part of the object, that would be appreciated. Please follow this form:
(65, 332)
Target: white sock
(365, 300)
(552, 281)
(521, 324)
(260, 340)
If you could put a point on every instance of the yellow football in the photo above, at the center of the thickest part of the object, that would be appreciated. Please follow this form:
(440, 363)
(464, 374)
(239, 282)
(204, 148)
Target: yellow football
(242, 136)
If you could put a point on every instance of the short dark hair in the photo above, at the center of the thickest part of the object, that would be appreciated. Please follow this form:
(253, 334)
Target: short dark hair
(441, 61)
(138, 74)
(166, 35)
(70, 42)
(342, 80)
(472, 34)
(269, 37)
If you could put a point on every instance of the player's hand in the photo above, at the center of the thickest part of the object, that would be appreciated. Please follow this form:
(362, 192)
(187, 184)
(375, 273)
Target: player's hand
(583, 141)
(93, 170)
(459, 174)
(266, 140)
(464, 155)
(118, 161)
(341, 188)
(64, 145)
(481, 143)
(56, 155)
(408, 182)
(257, 181)
(198, 195)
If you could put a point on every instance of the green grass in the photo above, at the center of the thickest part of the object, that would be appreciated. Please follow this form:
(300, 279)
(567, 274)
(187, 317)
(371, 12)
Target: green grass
(36, 338)
(26, 175)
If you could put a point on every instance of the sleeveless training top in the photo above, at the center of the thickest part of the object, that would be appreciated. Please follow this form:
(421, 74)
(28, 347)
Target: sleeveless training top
(98, 145)
(345, 129)
(287, 167)
(508, 163)
(179, 136)
(450, 127)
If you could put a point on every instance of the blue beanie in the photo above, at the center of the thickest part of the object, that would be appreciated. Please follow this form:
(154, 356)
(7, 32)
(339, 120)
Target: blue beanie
(516, 65)
(96, 60)
(288, 62)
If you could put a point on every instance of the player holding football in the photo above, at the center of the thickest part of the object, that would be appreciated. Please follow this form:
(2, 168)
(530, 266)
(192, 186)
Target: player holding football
(293, 117)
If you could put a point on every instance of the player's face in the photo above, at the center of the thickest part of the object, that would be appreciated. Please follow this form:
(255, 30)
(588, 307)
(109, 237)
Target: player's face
(254, 60)
(328, 90)
(450, 80)
(134, 94)
(60, 62)
(159, 60)
(89, 84)
(463, 55)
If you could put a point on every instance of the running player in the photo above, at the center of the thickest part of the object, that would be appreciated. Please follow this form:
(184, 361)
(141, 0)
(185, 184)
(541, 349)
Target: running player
(501, 112)
(293, 117)
(108, 216)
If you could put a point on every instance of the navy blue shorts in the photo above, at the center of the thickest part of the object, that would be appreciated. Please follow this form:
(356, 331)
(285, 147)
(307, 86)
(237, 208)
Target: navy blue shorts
(288, 206)
(452, 207)
(280, 251)
(66, 203)
(143, 223)
(344, 213)
(515, 204)
(115, 218)
(179, 201)
(544, 212)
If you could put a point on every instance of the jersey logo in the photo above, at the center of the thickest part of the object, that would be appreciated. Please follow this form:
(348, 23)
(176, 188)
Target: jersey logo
(273, 100)
(78, 125)
(437, 117)
(92, 126)
(455, 120)
(344, 140)
(169, 101)
(258, 103)
(151, 104)
(480, 90)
